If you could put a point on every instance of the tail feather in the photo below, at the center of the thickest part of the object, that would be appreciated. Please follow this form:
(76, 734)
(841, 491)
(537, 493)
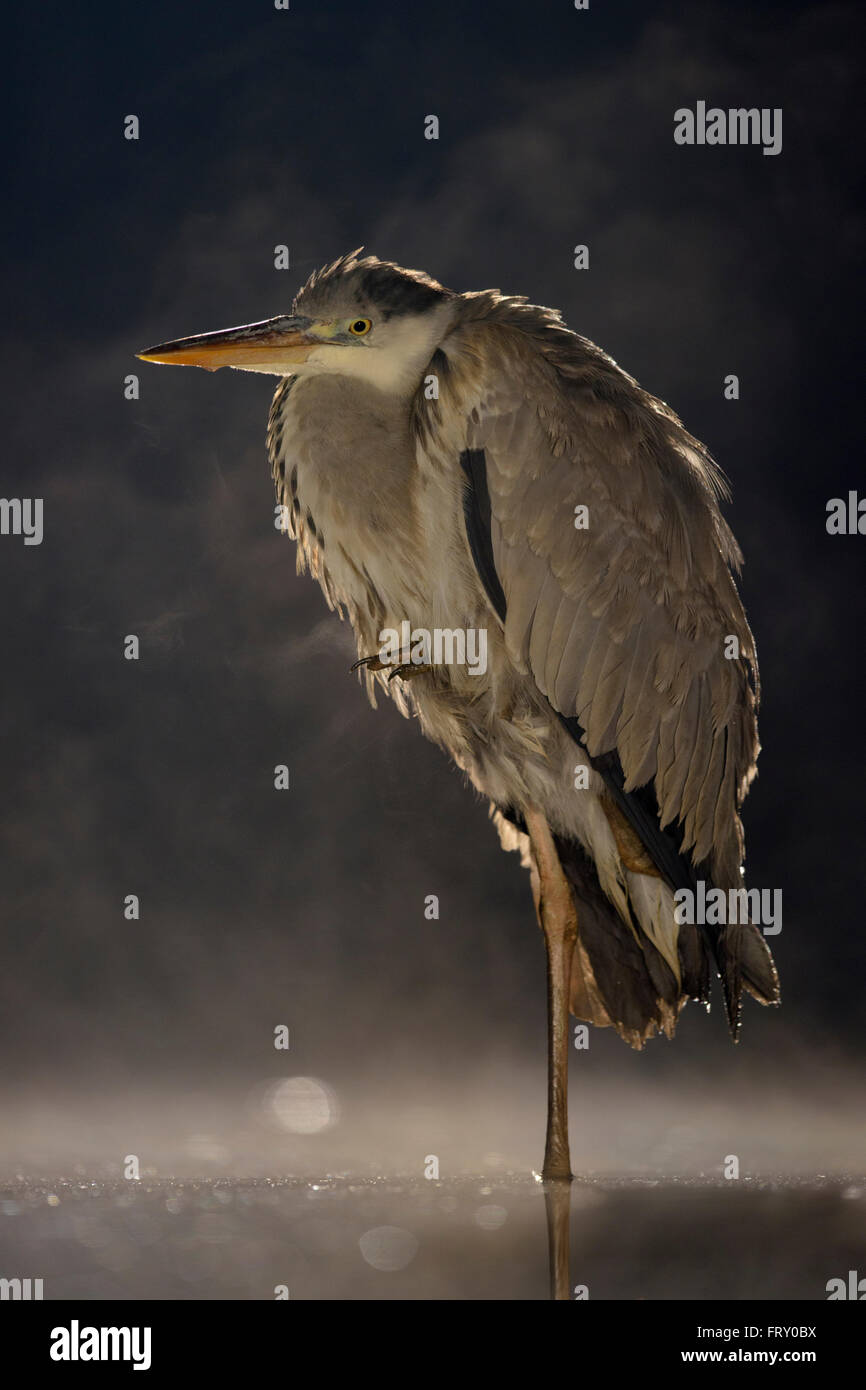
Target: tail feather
(748, 965)
(620, 978)
(760, 977)
(694, 963)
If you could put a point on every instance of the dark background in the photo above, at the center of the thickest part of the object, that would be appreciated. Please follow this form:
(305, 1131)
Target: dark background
(155, 777)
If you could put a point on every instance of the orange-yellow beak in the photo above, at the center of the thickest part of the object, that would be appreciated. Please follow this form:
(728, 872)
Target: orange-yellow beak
(270, 346)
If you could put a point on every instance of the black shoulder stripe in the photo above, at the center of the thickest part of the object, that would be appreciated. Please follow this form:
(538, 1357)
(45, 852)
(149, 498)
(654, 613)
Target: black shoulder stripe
(476, 514)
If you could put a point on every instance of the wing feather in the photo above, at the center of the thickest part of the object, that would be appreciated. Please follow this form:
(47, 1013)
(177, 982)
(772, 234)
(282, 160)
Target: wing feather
(621, 624)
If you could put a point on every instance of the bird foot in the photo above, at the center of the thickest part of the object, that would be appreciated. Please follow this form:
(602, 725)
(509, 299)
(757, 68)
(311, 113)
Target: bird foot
(406, 670)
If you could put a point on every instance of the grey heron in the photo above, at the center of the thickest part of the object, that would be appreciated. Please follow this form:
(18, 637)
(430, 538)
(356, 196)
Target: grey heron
(464, 462)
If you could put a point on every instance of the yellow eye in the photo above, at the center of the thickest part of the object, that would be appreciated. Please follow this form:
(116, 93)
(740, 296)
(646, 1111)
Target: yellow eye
(359, 327)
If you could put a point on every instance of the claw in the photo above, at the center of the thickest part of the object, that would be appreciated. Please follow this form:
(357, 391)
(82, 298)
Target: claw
(408, 671)
(371, 662)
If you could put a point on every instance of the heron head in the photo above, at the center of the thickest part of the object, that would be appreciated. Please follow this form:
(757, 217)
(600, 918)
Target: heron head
(358, 317)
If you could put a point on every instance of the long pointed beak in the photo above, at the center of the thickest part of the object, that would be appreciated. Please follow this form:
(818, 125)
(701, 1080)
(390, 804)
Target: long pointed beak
(270, 346)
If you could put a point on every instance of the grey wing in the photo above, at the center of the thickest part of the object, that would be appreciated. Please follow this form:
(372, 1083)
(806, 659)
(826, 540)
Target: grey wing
(625, 613)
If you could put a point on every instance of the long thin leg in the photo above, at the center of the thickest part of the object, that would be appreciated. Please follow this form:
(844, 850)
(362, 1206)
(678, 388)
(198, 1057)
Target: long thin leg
(557, 916)
(557, 1202)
